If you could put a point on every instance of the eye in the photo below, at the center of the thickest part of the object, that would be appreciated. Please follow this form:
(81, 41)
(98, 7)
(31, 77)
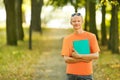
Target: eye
(73, 21)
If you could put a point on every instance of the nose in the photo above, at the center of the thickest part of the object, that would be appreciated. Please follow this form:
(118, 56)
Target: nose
(76, 22)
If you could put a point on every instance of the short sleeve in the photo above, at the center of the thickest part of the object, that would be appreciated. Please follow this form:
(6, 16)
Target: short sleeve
(65, 48)
(94, 47)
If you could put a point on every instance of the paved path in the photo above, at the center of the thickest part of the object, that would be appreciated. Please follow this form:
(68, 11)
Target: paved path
(51, 65)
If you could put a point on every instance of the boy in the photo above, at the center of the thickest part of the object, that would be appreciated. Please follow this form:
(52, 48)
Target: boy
(79, 67)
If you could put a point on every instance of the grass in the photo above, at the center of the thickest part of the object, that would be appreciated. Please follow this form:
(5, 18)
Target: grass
(107, 66)
(16, 61)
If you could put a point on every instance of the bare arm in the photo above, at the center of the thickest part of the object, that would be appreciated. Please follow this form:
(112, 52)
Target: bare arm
(75, 60)
(87, 56)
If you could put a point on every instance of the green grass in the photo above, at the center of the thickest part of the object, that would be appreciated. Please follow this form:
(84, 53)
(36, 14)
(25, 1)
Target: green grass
(16, 61)
(107, 66)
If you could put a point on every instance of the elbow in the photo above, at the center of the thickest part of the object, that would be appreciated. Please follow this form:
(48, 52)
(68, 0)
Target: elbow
(97, 56)
(66, 61)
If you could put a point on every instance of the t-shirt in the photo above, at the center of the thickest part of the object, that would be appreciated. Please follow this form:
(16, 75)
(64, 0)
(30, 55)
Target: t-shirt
(80, 68)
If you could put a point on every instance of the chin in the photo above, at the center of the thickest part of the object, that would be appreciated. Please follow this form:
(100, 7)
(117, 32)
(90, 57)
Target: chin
(77, 28)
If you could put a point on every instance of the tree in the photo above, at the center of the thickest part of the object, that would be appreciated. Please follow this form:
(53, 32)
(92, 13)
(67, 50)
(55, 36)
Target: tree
(113, 42)
(87, 15)
(18, 12)
(36, 15)
(114, 33)
(92, 19)
(10, 22)
(77, 4)
(60, 3)
(35, 18)
(103, 27)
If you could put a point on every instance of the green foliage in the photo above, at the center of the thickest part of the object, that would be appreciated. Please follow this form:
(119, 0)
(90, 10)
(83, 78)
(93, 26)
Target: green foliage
(1, 4)
(27, 2)
(61, 3)
(57, 3)
(107, 3)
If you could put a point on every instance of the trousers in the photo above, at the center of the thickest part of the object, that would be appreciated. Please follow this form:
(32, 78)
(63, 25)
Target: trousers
(79, 77)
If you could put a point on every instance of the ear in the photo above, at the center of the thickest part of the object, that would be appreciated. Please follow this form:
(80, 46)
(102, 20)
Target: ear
(70, 22)
(82, 20)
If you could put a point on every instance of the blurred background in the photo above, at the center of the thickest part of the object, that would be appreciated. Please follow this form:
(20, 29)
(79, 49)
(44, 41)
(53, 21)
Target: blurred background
(31, 32)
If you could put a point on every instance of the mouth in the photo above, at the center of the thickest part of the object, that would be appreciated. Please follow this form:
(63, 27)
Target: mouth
(76, 26)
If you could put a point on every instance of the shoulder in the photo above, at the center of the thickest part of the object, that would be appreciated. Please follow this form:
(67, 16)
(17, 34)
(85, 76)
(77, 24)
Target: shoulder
(68, 37)
(90, 34)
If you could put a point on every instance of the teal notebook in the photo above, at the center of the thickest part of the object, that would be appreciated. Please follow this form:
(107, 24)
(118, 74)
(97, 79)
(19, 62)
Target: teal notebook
(82, 46)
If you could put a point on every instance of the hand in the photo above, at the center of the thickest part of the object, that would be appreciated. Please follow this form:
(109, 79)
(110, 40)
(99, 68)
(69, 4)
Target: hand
(84, 60)
(88, 60)
(75, 55)
(79, 57)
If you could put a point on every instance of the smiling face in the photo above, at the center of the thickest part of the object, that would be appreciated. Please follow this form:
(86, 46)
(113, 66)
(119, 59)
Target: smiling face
(76, 22)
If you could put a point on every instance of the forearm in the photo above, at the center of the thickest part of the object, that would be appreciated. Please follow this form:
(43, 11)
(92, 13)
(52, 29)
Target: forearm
(75, 60)
(87, 56)
(90, 56)
(70, 59)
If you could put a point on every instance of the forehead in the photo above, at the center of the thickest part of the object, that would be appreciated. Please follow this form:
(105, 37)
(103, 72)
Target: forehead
(76, 17)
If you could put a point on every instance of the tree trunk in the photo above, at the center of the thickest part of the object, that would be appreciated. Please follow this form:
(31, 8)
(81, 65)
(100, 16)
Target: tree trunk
(36, 14)
(92, 15)
(76, 6)
(103, 27)
(18, 9)
(86, 15)
(114, 34)
(10, 22)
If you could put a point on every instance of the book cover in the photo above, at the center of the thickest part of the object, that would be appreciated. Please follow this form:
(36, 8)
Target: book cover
(82, 46)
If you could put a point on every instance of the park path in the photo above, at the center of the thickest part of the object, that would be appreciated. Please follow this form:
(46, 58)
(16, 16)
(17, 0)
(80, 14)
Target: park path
(51, 65)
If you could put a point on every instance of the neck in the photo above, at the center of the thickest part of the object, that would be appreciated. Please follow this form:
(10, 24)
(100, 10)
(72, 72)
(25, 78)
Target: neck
(79, 31)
